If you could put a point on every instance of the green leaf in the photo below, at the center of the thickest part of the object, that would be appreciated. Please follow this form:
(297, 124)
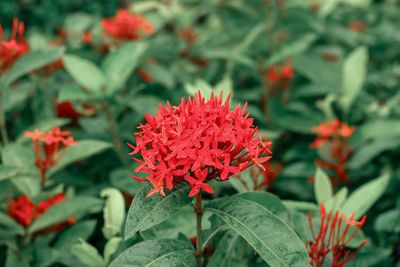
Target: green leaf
(268, 201)
(70, 236)
(110, 248)
(32, 61)
(82, 150)
(119, 64)
(388, 221)
(113, 212)
(59, 213)
(354, 74)
(322, 186)
(370, 150)
(292, 49)
(14, 260)
(85, 73)
(228, 251)
(271, 237)
(365, 196)
(22, 157)
(7, 172)
(161, 253)
(87, 254)
(336, 202)
(145, 213)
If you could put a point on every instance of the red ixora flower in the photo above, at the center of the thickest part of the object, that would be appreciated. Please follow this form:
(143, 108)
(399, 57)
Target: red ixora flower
(13, 48)
(279, 76)
(197, 141)
(127, 26)
(335, 134)
(54, 144)
(333, 238)
(24, 211)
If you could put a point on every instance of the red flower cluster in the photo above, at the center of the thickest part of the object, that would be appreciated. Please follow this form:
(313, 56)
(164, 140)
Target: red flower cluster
(335, 134)
(14, 47)
(195, 142)
(54, 144)
(127, 26)
(333, 237)
(279, 77)
(24, 211)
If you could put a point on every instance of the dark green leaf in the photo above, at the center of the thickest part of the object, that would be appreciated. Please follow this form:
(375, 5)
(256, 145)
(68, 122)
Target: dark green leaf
(145, 213)
(271, 237)
(161, 253)
(119, 64)
(61, 212)
(85, 73)
(32, 61)
(82, 150)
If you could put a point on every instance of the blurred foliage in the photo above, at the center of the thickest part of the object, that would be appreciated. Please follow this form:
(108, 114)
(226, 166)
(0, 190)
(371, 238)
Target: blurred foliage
(298, 64)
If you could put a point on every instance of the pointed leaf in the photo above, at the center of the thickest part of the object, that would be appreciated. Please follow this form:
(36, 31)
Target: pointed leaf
(322, 186)
(85, 73)
(271, 237)
(87, 254)
(144, 212)
(113, 212)
(32, 61)
(119, 64)
(365, 196)
(64, 210)
(83, 149)
(161, 253)
(354, 74)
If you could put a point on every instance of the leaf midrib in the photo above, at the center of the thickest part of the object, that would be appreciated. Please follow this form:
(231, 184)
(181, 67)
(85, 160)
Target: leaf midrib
(166, 255)
(136, 229)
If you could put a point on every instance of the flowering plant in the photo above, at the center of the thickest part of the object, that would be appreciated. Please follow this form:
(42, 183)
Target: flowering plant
(210, 89)
(197, 141)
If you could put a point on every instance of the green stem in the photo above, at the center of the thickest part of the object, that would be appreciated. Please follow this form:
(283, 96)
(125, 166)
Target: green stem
(199, 213)
(115, 134)
(3, 130)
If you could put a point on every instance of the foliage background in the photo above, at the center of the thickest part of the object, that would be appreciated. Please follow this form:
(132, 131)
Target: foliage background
(341, 71)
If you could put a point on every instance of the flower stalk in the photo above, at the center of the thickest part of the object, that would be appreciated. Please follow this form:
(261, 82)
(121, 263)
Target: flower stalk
(199, 214)
(3, 130)
(114, 133)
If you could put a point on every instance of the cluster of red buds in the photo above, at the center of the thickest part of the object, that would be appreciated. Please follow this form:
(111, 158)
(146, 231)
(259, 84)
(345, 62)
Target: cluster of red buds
(24, 211)
(279, 77)
(14, 47)
(53, 146)
(335, 134)
(336, 231)
(195, 142)
(261, 180)
(125, 26)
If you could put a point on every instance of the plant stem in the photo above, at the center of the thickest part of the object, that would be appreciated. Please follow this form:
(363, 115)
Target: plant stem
(3, 130)
(199, 213)
(114, 133)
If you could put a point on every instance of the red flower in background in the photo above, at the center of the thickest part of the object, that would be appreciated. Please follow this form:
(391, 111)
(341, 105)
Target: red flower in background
(335, 134)
(125, 26)
(333, 238)
(197, 141)
(54, 144)
(65, 109)
(13, 48)
(24, 211)
(357, 26)
(279, 77)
